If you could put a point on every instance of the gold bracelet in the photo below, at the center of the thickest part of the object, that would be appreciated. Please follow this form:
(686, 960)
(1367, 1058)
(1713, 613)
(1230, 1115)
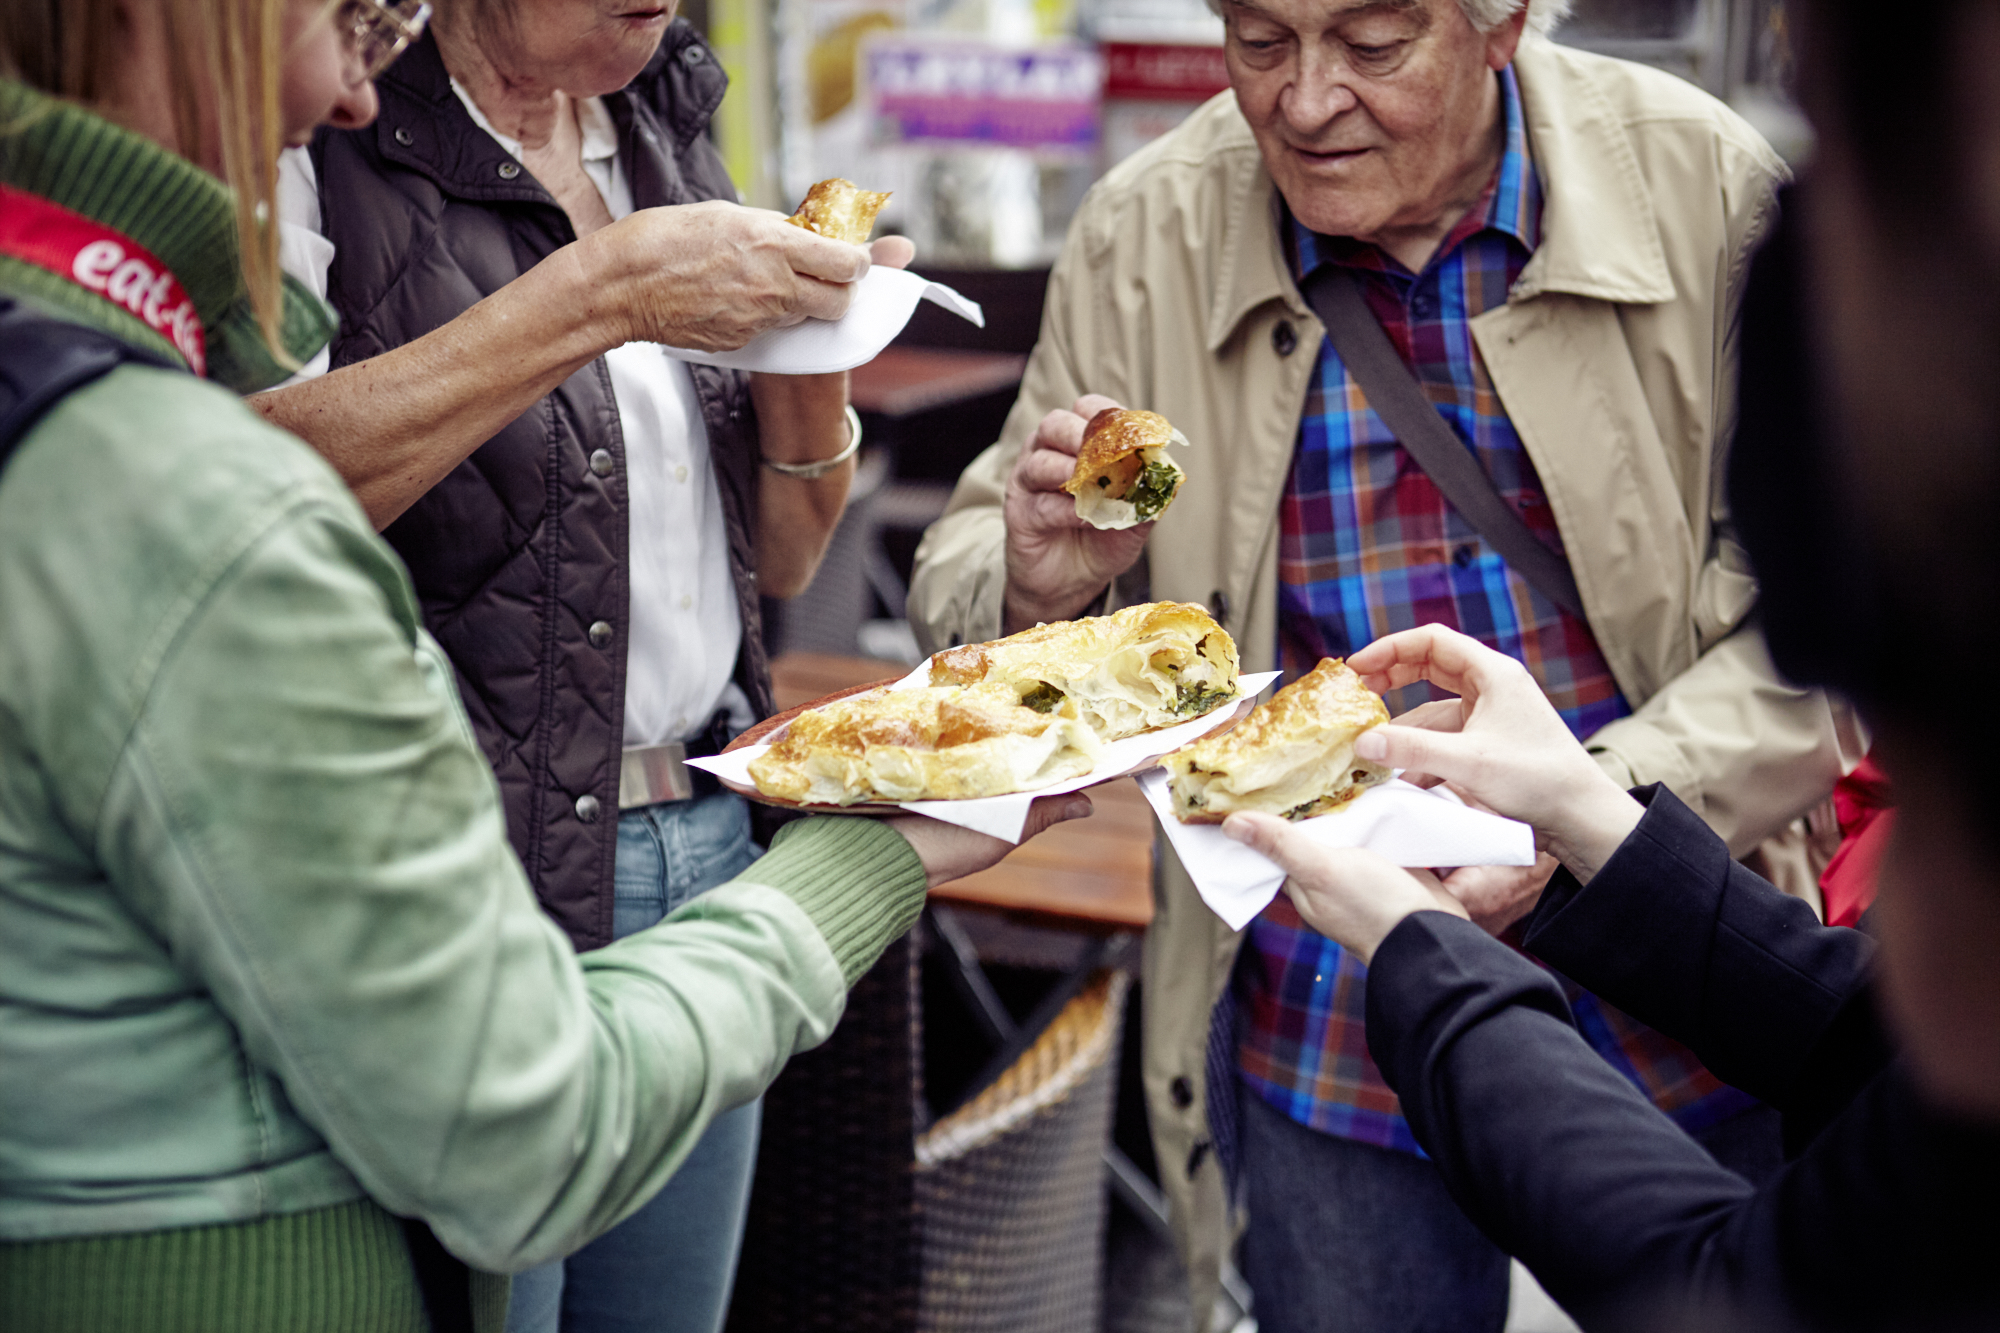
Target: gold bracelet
(807, 471)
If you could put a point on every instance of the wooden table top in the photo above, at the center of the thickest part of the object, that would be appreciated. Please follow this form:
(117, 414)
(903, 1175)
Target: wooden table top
(903, 381)
(1093, 874)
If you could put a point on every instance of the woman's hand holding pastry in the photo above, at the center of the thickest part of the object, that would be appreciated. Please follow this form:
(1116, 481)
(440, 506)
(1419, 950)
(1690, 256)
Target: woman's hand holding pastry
(950, 852)
(1345, 893)
(712, 276)
(1500, 743)
(1057, 564)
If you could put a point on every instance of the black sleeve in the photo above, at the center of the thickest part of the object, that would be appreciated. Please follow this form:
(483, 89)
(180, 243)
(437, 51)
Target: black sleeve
(1547, 1148)
(1684, 939)
(1885, 1223)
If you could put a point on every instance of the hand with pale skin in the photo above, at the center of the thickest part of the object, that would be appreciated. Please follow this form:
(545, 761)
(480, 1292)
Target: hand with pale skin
(950, 852)
(1057, 564)
(1352, 896)
(1499, 744)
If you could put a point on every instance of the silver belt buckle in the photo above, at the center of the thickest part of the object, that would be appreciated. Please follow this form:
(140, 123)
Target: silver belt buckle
(654, 773)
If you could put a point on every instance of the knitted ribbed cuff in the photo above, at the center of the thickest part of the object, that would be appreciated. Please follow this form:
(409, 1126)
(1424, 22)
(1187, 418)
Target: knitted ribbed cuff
(347, 1266)
(858, 879)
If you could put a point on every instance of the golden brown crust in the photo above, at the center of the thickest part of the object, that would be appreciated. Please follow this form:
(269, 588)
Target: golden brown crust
(922, 744)
(840, 210)
(1293, 756)
(1113, 435)
(1136, 670)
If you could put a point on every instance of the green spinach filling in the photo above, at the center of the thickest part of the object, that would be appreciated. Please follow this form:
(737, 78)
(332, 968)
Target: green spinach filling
(1197, 699)
(1155, 487)
(1044, 698)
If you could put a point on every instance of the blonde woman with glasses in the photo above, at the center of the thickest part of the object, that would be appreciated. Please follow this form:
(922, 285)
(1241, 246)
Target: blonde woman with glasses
(285, 1043)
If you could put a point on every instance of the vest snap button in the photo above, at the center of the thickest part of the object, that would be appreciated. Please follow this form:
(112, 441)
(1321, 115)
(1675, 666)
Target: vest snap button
(1218, 606)
(600, 633)
(1182, 1092)
(509, 170)
(601, 462)
(693, 55)
(404, 137)
(586, 808)
(1284, 338)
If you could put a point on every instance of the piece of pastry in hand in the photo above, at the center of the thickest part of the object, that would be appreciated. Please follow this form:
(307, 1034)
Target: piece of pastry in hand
(841, 210)
(1293, 756)
(1139, 669)
(1123, 476)
(926, 744)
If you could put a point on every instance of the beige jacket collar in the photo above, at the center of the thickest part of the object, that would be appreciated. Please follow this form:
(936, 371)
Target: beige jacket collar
(1600, 231)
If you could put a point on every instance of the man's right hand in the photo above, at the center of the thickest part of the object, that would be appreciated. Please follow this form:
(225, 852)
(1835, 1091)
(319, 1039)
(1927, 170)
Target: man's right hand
(1057, 564)
(712, 276)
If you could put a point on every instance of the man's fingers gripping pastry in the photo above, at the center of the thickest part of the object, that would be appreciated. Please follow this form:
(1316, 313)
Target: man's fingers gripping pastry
(840, 210)
(923, 745)
(1293, 756)
(1123, 476)
(1136, 670)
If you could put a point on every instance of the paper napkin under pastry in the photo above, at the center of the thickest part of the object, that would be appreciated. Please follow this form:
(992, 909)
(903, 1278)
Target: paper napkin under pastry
(1412, 826)
(884, 300)
(1005, 816)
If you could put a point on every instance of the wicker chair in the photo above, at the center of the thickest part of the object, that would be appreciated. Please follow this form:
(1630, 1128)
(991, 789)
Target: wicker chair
(992, 1218)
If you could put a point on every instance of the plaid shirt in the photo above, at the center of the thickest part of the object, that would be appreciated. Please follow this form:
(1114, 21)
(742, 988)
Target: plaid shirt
(1368, 546)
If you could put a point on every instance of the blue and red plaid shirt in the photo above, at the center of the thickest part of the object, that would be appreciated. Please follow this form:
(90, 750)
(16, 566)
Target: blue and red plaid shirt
(1368, 546)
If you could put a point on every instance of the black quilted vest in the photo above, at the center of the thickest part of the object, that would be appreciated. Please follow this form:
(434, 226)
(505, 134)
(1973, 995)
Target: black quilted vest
(523, 547)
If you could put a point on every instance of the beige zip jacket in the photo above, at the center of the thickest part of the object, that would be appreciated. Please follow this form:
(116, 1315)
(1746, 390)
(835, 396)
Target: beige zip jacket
(1614, 356)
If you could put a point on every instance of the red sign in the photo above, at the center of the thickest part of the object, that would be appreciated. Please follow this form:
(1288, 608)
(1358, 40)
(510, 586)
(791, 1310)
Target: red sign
(1162, 72)
(105, 262)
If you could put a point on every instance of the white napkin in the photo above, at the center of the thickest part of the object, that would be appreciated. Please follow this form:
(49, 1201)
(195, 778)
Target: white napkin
(884, 300)
(1412, 826)
(1005, 816)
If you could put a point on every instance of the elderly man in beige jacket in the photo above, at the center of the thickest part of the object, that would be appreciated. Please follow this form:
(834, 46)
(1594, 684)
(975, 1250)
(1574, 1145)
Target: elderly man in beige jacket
(1556, 244)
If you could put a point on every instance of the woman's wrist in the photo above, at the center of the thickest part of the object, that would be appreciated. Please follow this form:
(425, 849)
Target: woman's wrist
(804, 422)
(1597, 823)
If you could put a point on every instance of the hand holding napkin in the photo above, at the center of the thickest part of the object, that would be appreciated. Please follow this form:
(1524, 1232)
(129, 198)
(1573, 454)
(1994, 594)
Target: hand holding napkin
(1411, 826)
(884, 300)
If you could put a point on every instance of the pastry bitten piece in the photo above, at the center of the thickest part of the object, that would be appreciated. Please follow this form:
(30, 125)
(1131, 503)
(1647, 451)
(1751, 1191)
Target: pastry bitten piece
(925, 744)
(1136, 670)
(840, 209)
(1293, 756)
(1123, 476)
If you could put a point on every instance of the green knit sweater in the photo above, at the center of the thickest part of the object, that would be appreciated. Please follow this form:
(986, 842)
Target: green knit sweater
(269, 971)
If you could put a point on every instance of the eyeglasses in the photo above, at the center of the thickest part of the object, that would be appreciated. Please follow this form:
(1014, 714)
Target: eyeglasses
(379, 30)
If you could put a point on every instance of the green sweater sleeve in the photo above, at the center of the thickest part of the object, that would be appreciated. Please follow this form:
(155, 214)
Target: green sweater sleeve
(857, 879)
(302, 817)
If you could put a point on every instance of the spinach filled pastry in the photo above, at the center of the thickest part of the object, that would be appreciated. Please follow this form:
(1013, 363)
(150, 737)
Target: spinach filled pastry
(1123, 476)
(1134, 671)
(840, 210)
(1293, 756)
(926, 744)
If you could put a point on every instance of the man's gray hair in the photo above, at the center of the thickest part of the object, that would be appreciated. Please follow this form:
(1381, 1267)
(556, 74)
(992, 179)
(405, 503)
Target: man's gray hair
(1486, 15)
(1543, 15)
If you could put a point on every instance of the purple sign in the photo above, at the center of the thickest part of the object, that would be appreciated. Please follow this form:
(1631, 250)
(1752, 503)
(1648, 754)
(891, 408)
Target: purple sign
(951, 90)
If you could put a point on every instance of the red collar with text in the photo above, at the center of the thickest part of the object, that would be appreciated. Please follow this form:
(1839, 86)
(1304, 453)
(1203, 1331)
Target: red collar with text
(106, 263)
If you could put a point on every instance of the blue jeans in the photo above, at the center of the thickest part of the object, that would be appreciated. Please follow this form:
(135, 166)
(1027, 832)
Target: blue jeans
(667, 1268)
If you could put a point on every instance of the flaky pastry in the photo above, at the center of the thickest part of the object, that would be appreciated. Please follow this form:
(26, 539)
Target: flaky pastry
(1137, 670)
(841, 210)
(1123, 476)
(925, 744)
(1293, 756)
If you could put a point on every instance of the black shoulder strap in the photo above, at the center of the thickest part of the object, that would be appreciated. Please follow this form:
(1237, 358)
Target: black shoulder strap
(1394, 394)
(42, 359)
